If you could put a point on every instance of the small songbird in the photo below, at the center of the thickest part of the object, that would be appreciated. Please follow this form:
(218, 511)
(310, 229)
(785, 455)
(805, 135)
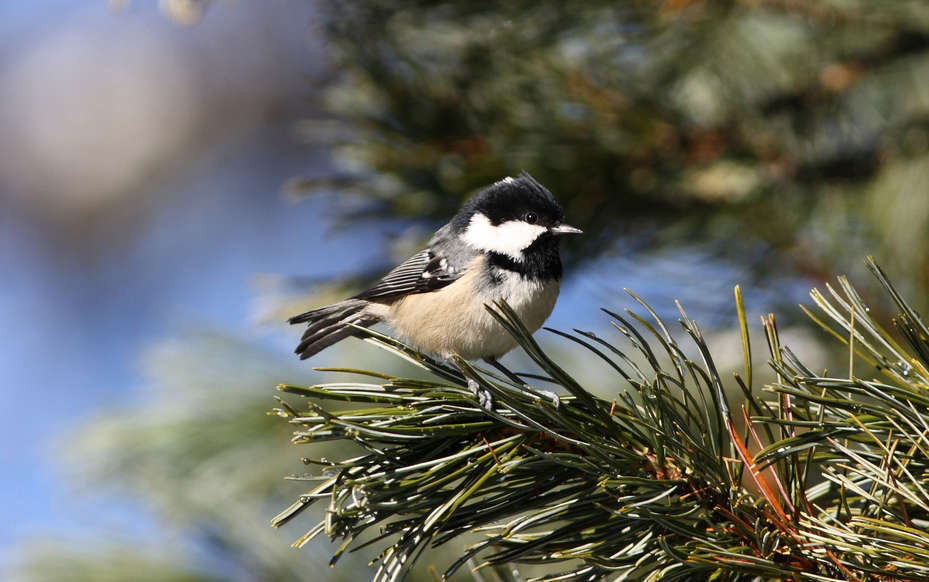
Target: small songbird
(502, 244)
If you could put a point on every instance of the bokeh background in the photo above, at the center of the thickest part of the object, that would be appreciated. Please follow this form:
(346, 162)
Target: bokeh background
(177, 177)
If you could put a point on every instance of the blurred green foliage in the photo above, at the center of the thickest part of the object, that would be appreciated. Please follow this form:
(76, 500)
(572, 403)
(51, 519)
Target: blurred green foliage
(55, 563)
(798, 129)
(199, 452)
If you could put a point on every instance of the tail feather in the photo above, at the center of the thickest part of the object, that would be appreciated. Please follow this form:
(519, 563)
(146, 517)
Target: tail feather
(321, 312)
(330, 324)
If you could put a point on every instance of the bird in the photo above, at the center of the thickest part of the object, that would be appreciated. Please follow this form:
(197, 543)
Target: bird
(504, 243)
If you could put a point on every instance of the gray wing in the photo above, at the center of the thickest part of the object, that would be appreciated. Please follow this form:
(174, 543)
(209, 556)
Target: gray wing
(443, 261)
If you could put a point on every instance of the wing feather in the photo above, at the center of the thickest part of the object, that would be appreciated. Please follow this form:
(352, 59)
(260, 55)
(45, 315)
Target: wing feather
(430, 269)
(411, 276)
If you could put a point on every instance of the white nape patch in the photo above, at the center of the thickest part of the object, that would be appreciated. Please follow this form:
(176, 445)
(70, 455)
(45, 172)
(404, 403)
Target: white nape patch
(508, 238)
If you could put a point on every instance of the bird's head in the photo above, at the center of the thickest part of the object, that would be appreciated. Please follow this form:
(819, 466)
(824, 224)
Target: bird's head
(509, 216)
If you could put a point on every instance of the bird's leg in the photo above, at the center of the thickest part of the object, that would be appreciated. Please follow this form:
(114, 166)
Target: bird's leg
(556, 402)
(483, 396)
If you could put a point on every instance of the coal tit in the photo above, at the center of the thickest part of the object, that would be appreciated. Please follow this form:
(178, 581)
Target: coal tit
(502, 244)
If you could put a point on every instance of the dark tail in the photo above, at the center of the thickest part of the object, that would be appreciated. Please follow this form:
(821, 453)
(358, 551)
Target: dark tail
(330, 324)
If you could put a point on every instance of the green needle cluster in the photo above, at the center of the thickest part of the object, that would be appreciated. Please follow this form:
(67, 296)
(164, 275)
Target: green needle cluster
(820, 478)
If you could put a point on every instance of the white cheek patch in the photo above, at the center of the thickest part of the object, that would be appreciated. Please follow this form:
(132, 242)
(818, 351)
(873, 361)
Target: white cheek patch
(508, 238)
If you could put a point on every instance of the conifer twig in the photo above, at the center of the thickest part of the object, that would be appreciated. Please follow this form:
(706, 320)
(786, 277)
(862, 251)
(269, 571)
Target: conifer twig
(648, 485)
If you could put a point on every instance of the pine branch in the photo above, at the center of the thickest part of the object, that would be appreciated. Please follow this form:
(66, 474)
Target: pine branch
(657, 484)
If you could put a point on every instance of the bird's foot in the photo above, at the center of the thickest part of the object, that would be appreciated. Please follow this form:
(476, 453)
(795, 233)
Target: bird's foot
(556, 401)
(483, 395)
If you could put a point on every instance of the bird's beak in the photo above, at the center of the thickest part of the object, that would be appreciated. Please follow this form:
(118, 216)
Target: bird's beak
(565, 229)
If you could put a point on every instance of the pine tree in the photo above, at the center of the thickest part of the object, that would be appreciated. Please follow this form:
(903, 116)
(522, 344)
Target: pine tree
(823, 477)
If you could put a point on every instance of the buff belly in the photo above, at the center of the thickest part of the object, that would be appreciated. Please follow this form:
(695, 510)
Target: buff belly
(453, 320)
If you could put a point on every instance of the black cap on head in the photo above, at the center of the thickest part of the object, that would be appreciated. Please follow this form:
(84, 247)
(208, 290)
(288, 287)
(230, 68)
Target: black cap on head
(512, 199)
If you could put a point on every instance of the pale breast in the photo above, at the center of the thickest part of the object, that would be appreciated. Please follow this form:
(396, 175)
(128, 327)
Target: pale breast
(453, 320)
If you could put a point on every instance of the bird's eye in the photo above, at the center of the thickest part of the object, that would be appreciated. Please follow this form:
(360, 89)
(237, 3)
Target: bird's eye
(531, 218)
